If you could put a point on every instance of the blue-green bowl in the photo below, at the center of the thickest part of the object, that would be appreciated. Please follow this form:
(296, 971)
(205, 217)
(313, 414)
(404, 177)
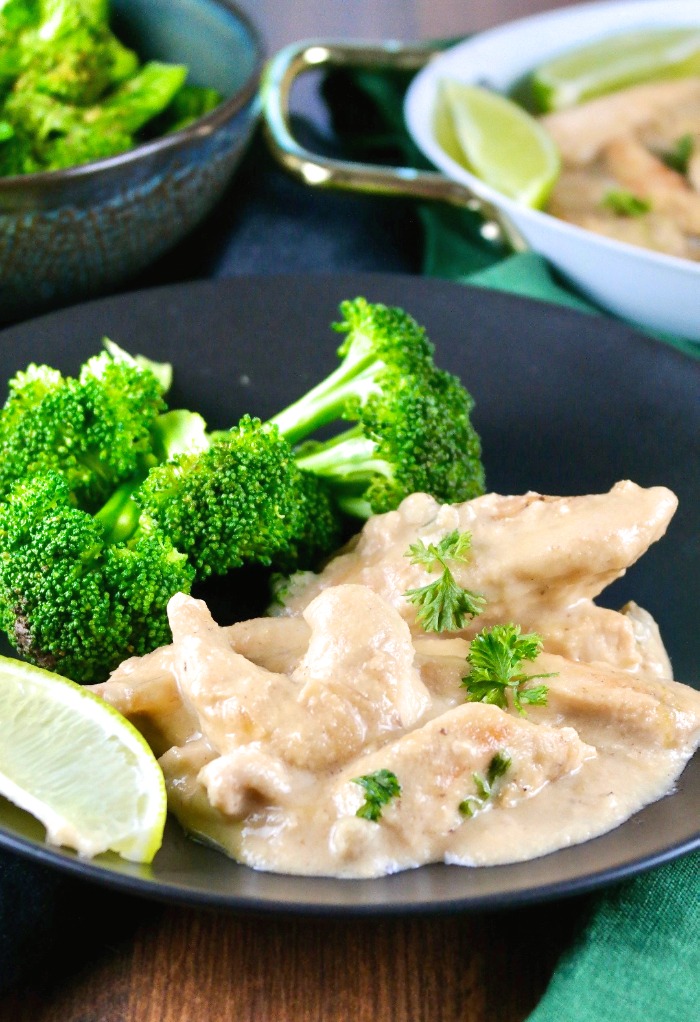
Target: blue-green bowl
(71, 234)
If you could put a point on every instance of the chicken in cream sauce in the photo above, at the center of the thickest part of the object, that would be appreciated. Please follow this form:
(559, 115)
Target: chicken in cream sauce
(268, 730)
(631, 166)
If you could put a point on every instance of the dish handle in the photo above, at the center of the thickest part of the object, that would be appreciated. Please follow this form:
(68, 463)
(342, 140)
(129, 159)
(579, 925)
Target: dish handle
(319, 171)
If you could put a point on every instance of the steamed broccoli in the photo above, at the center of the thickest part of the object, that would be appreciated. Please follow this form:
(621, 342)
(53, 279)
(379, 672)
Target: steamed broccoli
(95, 429)
(412, 431)
(110, 503)
(80, 591)
(74, 600)
(242, 500)
(71, 92)
(113, 503)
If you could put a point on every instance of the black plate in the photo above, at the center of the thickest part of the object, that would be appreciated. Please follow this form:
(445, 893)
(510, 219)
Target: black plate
(566, 403)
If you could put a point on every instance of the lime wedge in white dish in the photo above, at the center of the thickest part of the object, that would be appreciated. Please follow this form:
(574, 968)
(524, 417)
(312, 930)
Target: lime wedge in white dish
(615, 62)
(78, 766)
(497, 141)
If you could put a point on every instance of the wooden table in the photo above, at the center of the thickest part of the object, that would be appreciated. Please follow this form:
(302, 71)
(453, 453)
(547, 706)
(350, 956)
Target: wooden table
(180, 965)
(170, 964)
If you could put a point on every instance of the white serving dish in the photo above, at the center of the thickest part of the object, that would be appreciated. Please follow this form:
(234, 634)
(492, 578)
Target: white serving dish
(648, 288)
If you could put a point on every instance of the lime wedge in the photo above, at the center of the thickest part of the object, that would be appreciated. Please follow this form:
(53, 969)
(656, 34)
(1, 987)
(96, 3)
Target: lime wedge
(613, 63)
(78, 766)
(497, 141)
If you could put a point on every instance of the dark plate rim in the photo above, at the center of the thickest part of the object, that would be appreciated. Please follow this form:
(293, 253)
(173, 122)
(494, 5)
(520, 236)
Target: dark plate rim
(170, 893)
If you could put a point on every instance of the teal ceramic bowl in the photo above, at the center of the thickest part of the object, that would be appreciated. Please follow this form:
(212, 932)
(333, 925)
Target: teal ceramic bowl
(72, 234)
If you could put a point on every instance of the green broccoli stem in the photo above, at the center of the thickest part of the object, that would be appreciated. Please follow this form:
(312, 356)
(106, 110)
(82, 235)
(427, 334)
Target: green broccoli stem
(349, 459)
(353, 379)
(119, 516)
(349, 463)
(355, 507)
(173, 432)
(177, 431)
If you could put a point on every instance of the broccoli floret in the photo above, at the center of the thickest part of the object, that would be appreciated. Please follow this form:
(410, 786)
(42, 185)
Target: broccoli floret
(74, 600)
(321, 525)
(69, 48)
(71, 92)
(114, 503)
(95, 429)
(83, 588)
(242, 500)
(413, 429)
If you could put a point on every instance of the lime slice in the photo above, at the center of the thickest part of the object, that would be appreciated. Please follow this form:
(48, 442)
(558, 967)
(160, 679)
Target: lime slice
(613, 63)
(497, 141)
(78, 766)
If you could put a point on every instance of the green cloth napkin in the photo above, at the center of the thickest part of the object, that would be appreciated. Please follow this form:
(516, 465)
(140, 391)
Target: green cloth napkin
(636, 957)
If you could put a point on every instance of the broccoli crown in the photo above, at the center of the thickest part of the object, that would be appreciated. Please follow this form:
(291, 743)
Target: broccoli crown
(382, 333)
(69, 601)
(94, 429)
(423, 442)
(413, 427)
(238, 502)
(381, 344)
(319, 525)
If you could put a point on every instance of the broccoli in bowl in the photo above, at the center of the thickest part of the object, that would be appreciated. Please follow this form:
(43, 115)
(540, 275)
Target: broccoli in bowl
(72, 92)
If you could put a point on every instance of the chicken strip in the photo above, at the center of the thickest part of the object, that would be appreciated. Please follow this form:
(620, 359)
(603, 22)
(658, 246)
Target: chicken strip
(145, 690)
(275, 643)
(584, 130)
(441, 768)
(647, 177)
(356, 683)
(538, 561)
(612, 710)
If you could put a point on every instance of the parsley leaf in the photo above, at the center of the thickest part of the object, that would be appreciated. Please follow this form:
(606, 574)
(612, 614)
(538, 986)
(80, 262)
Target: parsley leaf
(380, 787)
(625, 203)
(443, 605)
(495, 657)
(498, 766)
(679, 157)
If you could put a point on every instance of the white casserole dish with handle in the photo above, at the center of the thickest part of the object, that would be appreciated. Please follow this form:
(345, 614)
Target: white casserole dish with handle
(654, 290)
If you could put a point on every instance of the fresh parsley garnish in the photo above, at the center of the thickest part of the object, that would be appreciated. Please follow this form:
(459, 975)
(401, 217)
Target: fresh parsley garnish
(380, 787)
(498, 766)
(679, 157)
(625, 203)
(443, 605)
(495, 658)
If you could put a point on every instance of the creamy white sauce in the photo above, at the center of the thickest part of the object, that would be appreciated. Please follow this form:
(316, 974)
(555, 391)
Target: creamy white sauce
(263, 728)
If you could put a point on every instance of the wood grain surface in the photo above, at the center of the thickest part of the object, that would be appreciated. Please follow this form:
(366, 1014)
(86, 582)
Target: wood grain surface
(185, 966)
